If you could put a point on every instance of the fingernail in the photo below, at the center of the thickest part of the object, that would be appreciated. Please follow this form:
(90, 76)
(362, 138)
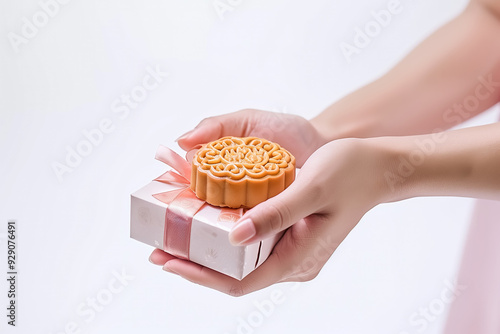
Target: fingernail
(184, 136)
(242, 232)
(167, 268)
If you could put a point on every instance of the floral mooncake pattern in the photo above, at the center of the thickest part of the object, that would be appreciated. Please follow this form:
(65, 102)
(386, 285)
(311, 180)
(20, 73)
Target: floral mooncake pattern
(241, 172)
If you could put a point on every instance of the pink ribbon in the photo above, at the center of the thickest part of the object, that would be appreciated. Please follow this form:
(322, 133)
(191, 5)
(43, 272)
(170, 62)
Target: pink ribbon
(182, 204)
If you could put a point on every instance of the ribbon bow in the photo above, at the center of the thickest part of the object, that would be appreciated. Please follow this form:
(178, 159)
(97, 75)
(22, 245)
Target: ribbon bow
(182, 204)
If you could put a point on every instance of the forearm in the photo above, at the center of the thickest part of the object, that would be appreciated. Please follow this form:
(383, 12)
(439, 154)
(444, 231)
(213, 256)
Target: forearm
(427, 89)
(462, 162)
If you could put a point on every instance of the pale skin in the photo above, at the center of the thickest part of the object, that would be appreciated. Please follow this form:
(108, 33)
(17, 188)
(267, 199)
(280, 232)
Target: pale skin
(351, 154)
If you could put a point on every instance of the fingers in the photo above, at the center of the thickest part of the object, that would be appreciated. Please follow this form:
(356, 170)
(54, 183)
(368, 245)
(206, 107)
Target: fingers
(207, 130)
(159, 257)
(268, 273)
(213, 128)
(278, 213)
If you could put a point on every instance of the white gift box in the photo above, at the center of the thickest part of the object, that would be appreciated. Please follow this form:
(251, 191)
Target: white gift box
(209, 244)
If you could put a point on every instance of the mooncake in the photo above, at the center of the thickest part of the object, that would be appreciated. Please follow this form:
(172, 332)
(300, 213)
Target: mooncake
(241, 172)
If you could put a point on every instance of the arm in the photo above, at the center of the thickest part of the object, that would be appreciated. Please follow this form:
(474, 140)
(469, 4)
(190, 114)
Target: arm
(424, 93)
(337, 185)
(463, 163)
(427, 89)
(345, 178)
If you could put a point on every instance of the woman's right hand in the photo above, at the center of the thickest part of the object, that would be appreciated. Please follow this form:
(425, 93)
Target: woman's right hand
(294, 133)
(337, 185)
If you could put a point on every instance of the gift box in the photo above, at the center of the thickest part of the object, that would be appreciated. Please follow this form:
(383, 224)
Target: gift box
(166, 214)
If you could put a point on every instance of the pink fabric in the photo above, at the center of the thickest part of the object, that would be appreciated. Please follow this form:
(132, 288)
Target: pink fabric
(182, 204)
(171, 177)
(169, 157)
(477, 309)
(178, 219)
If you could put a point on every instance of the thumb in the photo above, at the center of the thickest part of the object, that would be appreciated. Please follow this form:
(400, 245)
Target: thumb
(276, 214)
(213, 128)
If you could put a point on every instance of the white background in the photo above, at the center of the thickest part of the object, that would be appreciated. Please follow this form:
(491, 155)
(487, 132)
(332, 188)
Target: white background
(274, 55)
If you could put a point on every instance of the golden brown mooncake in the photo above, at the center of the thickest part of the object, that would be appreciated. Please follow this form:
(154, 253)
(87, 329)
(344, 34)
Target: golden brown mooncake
(241, 172)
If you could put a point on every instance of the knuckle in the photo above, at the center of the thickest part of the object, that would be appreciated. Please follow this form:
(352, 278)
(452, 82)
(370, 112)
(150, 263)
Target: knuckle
(317, 192)
(236, 290)
(249, 111)
(206, 121)
(277, 216)
(215, 123)
(309, 276)
(299, 274)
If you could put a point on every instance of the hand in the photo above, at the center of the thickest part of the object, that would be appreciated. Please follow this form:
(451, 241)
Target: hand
(293, 132)
(337, 185)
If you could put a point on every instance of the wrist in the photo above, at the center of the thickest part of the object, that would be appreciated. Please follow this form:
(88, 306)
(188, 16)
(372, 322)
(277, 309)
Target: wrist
(397, 168)
(369, 168)
(389, 181)
(412, 166)
(346, 119)
(425, 165)
(332, 125)
(453, 163)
